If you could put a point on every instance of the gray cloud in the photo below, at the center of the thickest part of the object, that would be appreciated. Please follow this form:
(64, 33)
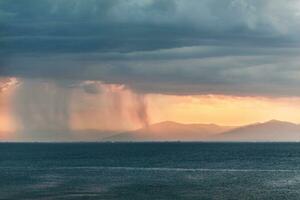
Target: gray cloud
(237, 47)
(105, 25)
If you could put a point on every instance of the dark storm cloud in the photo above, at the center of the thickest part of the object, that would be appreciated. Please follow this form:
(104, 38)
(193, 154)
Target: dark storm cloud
(238, 47)
(114, 25)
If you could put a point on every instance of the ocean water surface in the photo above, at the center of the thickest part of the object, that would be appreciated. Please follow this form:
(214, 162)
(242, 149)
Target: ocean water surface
(141, 171)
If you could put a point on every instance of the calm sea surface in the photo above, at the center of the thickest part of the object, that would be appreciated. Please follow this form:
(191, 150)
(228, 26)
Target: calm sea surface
(141, 171)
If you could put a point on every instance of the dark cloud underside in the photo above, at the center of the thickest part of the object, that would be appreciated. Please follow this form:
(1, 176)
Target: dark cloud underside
(239, 47)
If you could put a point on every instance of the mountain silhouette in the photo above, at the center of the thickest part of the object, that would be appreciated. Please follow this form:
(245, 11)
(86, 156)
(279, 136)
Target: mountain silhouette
(273, 130)
(172, 131)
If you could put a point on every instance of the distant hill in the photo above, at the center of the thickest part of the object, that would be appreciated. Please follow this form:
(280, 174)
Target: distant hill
(172, 131)
(92, 135)
(273, 130)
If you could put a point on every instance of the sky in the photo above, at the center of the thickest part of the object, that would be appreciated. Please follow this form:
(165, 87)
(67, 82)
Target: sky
(115, 65)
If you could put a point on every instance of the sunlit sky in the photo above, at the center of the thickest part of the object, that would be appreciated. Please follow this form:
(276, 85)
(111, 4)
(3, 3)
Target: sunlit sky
(110, 65)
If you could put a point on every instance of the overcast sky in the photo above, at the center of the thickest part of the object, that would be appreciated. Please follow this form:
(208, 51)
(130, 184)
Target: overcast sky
(237, 47)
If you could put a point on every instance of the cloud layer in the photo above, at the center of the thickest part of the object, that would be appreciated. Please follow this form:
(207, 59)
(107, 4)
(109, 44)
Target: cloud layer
(234, 47)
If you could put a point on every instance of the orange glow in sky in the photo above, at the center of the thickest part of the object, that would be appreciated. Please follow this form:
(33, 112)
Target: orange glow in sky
(223, 110)
(111, 109)
(7, 123)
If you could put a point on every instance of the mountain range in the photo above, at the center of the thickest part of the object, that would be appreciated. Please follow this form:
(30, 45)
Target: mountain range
(273, 130)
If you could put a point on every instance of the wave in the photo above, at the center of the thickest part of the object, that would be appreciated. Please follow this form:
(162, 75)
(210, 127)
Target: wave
(153, 169)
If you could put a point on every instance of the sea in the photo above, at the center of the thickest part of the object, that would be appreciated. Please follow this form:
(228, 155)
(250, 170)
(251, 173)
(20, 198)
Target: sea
(142, 171)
